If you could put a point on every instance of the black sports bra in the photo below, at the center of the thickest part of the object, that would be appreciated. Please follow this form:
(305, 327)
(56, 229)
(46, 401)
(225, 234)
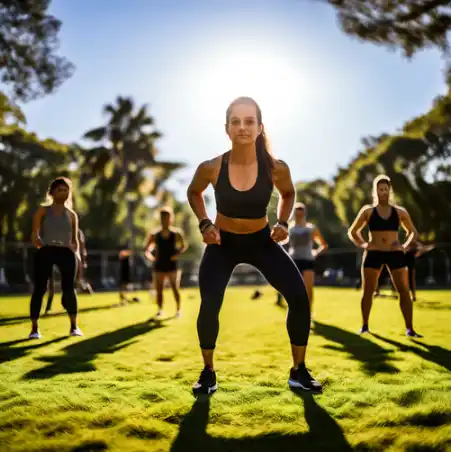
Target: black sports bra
(377, 223)
(248, 204)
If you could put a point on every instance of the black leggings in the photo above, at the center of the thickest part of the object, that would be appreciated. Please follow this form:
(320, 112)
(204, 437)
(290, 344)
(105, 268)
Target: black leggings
(44, 260)
(260, 251)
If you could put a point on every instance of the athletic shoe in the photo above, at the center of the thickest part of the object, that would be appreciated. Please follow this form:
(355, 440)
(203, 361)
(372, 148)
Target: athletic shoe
(76, 332)
(34, 335)
(412, 333)
(178, 314)
(364, 329)
(301, 378)
(207, 383)
(159, 315)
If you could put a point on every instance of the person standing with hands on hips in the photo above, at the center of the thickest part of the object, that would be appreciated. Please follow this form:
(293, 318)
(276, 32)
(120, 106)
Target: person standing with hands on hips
(243, 179)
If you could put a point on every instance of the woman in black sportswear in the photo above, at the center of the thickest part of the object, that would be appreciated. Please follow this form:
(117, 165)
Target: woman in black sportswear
(384, 219)
(55, 235)
(163, 248)
(243, 179)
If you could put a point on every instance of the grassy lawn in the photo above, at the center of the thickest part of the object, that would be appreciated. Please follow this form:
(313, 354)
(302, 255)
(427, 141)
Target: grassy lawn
(126, 385)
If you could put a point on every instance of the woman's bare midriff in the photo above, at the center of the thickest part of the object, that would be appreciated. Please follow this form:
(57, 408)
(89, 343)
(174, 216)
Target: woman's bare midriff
(240, 225)
(384, 240)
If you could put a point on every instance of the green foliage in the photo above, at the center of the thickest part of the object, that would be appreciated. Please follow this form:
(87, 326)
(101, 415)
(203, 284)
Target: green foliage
(417, 163)
(28, 44)
(411, 25)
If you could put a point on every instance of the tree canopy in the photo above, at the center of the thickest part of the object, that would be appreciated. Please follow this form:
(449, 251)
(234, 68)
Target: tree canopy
(410, 25)
(29, 63)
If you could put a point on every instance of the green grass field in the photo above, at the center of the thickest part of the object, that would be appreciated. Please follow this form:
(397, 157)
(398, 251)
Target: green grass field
(126, 385)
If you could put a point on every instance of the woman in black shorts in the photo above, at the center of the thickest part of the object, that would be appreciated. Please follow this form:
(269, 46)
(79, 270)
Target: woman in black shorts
(384, 248)
(163, 248)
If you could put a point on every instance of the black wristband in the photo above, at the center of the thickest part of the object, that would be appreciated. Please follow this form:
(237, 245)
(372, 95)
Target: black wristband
(283, 223)
(204, 224)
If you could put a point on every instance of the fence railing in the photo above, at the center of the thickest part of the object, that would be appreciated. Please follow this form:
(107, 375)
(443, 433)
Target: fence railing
(336, 267)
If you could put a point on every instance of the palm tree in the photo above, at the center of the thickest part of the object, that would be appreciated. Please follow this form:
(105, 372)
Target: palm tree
(127, 149)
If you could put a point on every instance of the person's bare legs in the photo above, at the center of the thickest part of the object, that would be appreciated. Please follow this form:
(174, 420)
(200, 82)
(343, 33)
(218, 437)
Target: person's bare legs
(309, 282)
(159, 287)
(174, 281)
(400, 280)
(370, 277)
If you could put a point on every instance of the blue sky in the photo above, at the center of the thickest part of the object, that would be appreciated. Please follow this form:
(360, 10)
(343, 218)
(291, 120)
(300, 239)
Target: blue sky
(320, 90)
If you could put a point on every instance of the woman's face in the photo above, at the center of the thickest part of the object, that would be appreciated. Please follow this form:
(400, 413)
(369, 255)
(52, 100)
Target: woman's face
(242, 126)
(383, 192)
(60, 193)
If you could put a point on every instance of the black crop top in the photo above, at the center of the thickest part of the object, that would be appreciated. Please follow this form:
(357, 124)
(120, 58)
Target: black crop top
(377, 223)
(249, 204)
(166, 246)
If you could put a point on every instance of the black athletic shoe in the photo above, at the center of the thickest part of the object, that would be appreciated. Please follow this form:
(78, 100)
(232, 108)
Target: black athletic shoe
(364, 329)
(301, 378)
(207, 383)
(412, 333)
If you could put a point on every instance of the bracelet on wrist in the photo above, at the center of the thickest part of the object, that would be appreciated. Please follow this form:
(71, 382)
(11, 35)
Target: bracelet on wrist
(204, 224)
(283, 223)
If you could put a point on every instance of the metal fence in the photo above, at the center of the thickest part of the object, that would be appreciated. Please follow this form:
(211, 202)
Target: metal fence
(337, 267)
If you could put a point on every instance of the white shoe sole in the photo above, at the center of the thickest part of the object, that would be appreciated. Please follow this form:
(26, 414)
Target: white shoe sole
(297, 385)
(211, 389)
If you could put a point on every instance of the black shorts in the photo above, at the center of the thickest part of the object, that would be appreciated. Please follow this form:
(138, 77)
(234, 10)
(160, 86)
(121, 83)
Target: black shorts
(394, 260)
(124, 277)
(165, 266)
(410, 259)
(304, 264)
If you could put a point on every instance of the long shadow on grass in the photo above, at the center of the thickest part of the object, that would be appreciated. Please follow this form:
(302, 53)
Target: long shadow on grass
(79, 357)
(324, 434)
(26, 318)
(9, 353)
(374, 358)
(433, 353)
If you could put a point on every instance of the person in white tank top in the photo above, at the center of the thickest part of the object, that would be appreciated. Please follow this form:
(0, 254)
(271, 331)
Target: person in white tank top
(302, 237)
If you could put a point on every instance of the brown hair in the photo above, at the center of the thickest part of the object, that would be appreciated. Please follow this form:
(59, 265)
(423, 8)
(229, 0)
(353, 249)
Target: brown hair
(166, 211)
(54, 185)
(261, 143)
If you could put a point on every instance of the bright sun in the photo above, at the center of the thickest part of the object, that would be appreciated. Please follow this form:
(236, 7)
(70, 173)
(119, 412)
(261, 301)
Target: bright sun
(270, 79)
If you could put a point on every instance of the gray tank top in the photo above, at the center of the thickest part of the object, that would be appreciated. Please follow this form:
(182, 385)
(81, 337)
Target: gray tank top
(56, 230)
(301, 242)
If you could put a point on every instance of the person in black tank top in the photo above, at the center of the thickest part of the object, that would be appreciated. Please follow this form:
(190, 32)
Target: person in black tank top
(163, 248)
(244, 179)
(384, 249)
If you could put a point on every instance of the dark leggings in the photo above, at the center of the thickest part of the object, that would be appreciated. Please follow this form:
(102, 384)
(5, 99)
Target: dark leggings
(44, 260)
(260, 251)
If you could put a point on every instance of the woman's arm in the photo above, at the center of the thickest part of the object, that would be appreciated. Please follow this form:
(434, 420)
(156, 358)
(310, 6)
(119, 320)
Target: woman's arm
(75, 244)
(37, 219)
(201, 180)
(408, 226)
(284, 185)
(320, 241)
(355, 231)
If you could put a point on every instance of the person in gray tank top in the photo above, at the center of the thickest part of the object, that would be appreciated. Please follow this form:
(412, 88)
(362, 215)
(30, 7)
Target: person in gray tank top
(55, 235)
(302, 237)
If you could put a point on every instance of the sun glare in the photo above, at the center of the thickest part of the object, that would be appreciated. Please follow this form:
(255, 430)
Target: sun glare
(270, 79)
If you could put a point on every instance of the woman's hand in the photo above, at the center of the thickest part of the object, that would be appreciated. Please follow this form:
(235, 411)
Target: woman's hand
(211, 235)
(279, 233)
(37, 242)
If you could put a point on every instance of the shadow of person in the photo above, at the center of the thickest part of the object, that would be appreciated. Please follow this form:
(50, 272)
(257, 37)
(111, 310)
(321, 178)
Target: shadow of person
(4, 321)
(9, 353)
(374, 358)
(79, 356)
(432, 353)
(324, 434)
